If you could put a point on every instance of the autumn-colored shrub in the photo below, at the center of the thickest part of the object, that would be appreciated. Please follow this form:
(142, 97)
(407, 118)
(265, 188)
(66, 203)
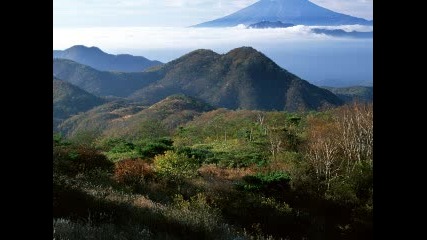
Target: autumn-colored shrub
(132, 171)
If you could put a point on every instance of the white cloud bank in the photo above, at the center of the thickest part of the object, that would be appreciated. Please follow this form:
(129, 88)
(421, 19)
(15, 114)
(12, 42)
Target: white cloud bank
(149, 38)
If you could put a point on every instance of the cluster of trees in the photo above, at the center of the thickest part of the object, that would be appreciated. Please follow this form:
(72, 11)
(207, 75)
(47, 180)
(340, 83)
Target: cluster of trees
(337, 146)
(249, 174)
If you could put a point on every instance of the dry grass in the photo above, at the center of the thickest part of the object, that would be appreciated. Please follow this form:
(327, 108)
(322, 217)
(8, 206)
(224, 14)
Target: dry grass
(228, 174)
(215, 179)
(144, 202)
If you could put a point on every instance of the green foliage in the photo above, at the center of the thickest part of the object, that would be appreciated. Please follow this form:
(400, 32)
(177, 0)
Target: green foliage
(238, 159)
(175, 166)
(362, 181)
(58, 140)
(341, 192)
(230, 154)
(117, 149)
(155, 147)
(354, 189)
(107, 143)
(265, 182)
(123, 147)
(202, 153)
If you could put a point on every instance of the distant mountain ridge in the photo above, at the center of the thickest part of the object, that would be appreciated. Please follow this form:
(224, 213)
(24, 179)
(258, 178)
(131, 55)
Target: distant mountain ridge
(342, 33)
(341, 83)
(69, 100)
(101, 83)
(96, 58)
(353, 94)
(243, 78)
(240, 79)
(298, 12)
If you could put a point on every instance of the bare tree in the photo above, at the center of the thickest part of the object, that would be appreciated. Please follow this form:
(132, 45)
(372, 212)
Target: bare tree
(275, 138)
(335, 146)
(355, 123)
(323, 150)
(261, 122)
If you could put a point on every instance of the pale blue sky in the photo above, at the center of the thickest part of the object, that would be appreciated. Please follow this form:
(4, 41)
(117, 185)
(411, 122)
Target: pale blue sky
(173, 13)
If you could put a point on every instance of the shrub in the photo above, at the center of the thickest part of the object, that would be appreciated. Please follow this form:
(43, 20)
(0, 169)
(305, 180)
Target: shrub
(80, 159)
(118, 149)
(266, 182)
(58, 140)
(202, 153)
(235, 154)
(195, 213)
(132, 171)
(107, 143)
(280, 207)
(175, 166)
(240, 158)
(122, 147)
(156, 147)
(342, 193)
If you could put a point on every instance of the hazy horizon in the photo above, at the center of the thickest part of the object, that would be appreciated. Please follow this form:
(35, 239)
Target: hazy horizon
(313, 57)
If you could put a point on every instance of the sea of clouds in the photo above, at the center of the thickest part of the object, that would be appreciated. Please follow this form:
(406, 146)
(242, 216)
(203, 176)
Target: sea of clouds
(148, 38)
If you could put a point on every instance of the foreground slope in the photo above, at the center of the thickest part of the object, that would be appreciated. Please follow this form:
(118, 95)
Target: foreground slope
(96, 58)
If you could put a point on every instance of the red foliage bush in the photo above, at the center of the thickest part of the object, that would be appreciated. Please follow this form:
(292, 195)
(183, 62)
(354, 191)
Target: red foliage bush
(132, 171)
